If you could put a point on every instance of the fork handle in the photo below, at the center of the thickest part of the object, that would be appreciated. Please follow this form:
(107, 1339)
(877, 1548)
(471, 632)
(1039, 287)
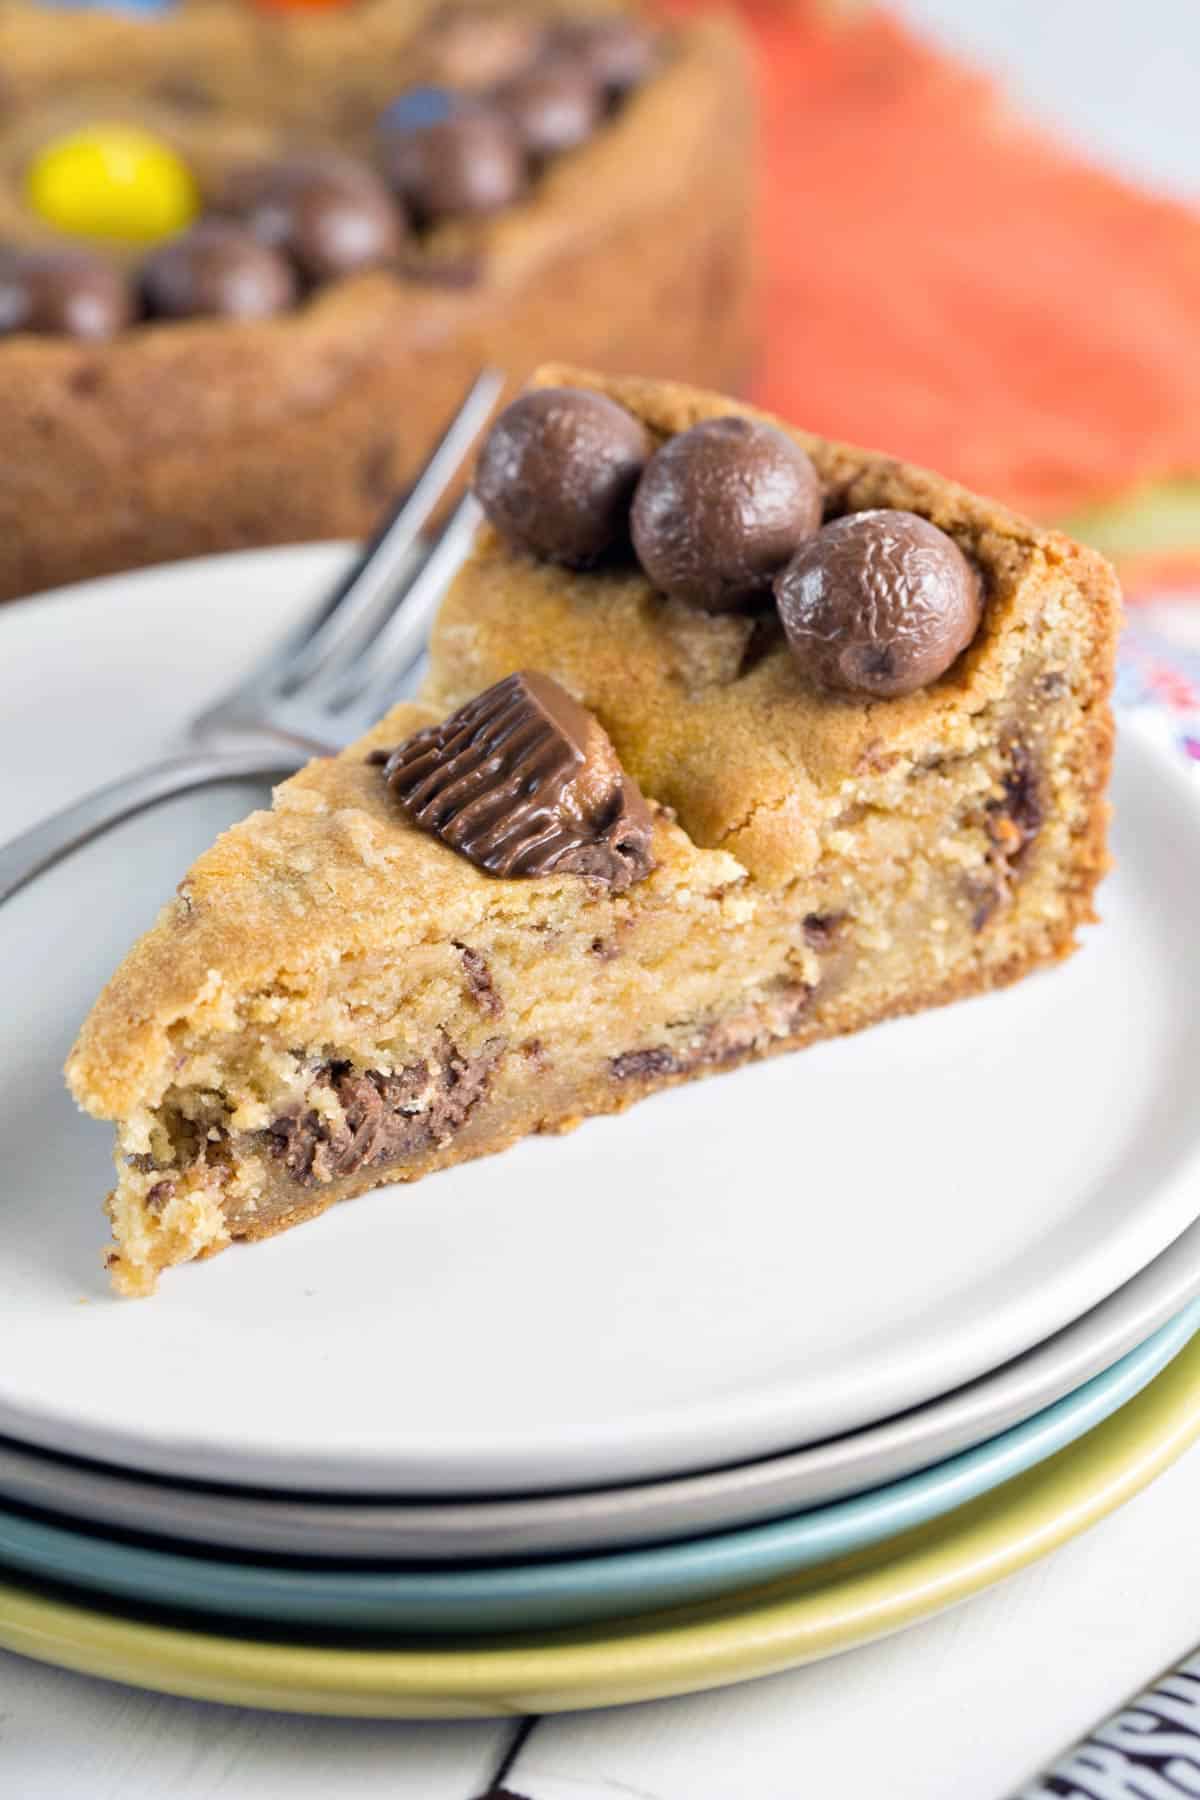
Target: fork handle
(39, 848)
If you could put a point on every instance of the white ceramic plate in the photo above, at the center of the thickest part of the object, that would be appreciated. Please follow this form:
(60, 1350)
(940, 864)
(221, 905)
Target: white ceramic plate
(575, 1590)
(743, 1265)
(644, 1512)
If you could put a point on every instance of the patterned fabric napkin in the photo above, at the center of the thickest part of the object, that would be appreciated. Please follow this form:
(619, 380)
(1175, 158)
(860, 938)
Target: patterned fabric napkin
(1158, 676)
(942, 278)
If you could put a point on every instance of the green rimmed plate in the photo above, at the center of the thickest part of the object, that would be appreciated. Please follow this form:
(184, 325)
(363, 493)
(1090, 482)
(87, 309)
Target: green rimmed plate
(772, 1628)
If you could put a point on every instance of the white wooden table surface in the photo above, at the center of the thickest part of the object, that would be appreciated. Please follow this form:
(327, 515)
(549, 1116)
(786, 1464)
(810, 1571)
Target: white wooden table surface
(962, 1708)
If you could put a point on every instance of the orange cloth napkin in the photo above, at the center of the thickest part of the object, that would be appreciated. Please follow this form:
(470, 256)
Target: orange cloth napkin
(946, 281)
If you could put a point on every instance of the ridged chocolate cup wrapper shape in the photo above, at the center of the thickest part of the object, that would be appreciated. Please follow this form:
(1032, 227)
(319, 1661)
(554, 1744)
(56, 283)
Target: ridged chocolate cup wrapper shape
(522, 781)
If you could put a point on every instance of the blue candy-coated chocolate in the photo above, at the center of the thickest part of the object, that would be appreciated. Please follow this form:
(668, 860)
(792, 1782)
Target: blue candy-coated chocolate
(116, 6)
(418, 107)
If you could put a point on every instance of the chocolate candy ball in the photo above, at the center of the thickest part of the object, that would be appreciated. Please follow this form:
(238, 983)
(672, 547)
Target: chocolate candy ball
(555, 106)
(720, 510)
(557, 471)
(217, 269)
(879, 603)
(620, 53)
(471, 162)
(330, 214)
(63, 293)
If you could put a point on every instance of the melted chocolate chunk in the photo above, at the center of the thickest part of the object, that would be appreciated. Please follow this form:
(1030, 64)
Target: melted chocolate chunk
(217, 269)
(1012, 824)
(633, 1065)
(160, 1194)
(385, 1118)
(557, 472)
(331, 214)
(1022, 802)
(63, 293)
(522, 781)
(822, 930)
(730, 1040)
(879, 603)
(720, 509)
(723, 1042)
(480, 985)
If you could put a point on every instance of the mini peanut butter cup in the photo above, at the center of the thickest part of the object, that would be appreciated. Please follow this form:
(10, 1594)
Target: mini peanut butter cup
(523, 781)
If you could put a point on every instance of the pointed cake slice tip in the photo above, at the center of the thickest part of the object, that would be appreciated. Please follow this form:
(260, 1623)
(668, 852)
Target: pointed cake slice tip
(625, 839)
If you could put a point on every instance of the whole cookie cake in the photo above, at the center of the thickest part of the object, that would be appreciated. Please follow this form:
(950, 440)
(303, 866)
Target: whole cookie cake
(734, 739)
(249, 258)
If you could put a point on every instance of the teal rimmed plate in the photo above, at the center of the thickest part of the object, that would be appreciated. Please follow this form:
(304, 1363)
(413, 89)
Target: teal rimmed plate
(576, 1590)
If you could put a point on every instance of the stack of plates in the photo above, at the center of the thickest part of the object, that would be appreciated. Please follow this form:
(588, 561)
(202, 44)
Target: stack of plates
(768, 1366)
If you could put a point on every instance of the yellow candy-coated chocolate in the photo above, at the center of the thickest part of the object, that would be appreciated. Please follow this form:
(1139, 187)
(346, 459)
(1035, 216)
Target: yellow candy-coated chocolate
(115, 182)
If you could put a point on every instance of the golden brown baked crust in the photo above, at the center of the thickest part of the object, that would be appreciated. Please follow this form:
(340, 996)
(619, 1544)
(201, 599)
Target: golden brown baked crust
(185, 438)
(822, 864)
(330, 68)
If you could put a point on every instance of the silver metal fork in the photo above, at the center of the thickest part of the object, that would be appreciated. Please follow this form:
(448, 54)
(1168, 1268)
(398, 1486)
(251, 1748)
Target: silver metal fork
(322, 684)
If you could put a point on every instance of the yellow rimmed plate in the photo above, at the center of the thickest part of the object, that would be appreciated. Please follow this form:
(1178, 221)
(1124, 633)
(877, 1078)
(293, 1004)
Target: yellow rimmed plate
(777, 1627)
